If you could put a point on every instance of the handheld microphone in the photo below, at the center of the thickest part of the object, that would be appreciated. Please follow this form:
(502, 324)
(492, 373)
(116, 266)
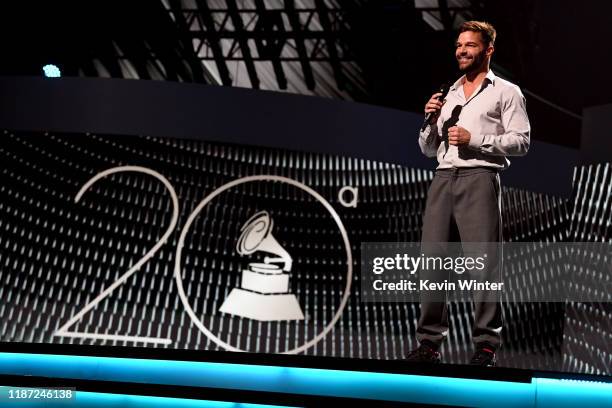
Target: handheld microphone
(429, 117)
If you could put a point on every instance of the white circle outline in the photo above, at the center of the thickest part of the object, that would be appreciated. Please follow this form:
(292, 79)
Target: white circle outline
(242, 180)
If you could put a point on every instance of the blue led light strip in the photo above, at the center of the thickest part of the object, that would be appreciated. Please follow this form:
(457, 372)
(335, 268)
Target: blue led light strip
(106, 400)
(323, 382)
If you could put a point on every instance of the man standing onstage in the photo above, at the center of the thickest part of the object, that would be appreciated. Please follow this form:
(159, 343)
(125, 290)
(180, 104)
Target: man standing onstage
(481, 121)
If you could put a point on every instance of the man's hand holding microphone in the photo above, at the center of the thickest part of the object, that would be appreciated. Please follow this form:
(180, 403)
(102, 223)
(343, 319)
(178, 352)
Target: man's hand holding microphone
(433, 107)
(456, 134)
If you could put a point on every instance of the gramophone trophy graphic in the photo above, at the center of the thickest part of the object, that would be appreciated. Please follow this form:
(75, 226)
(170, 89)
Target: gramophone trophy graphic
(264, 293)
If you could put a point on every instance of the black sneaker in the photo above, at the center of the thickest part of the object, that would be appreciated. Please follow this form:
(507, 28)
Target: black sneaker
(484, 355)
(427, 352)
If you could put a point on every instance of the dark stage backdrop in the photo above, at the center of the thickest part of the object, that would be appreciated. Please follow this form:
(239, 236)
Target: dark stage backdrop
(59, 255)
(98, 270)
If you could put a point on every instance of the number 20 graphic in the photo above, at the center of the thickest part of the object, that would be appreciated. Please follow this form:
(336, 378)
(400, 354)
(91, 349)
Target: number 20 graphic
(64, 330)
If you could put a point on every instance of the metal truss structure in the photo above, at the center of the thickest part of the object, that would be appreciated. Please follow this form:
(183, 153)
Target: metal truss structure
(331, 48)
(301, 46)
(293, 45)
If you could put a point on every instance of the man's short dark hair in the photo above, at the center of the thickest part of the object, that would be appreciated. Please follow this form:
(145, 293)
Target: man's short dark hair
(486, 30)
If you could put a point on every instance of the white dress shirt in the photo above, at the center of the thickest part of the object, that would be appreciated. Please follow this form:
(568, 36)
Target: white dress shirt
(496, 118)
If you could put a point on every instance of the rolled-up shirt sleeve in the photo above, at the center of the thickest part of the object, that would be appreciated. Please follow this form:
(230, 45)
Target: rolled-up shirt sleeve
(429, 139)
(515, 139)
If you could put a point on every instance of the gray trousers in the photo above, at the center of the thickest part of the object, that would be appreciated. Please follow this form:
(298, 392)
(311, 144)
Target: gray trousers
(463, 204)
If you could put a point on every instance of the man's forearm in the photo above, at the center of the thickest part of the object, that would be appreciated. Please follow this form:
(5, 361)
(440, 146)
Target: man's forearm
(507, 144)
(429, 140)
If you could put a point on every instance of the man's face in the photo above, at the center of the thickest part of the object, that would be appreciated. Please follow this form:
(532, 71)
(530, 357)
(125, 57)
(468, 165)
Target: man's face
(471, 52)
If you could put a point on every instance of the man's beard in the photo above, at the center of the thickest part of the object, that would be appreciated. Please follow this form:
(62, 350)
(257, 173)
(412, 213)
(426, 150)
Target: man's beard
(476, 63)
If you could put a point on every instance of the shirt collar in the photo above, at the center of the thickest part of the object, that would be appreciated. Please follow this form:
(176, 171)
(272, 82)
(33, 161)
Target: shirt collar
(490, 76)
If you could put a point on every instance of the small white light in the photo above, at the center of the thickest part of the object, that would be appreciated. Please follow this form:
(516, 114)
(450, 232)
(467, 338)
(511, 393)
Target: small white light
(52, 71)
